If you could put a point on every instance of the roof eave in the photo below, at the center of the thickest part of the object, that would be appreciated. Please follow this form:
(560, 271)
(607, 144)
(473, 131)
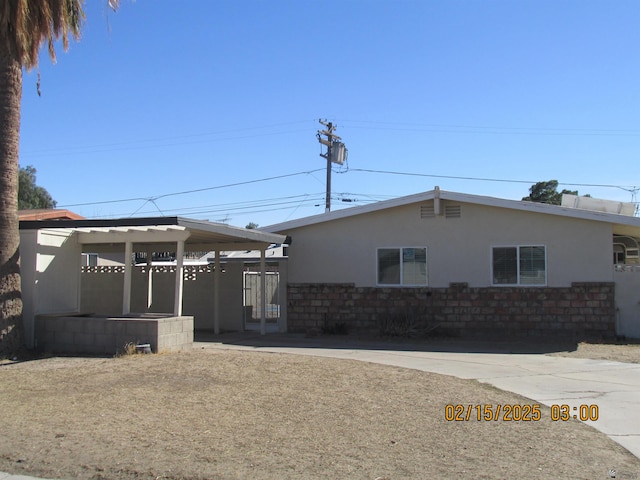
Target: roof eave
(534, 207)
(237, 236)
(248, 235)
(349, 212)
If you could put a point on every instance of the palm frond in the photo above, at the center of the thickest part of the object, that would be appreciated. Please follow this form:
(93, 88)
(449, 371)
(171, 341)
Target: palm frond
(25, 25)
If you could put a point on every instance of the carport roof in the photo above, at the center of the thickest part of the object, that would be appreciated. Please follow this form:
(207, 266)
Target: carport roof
(197, 234)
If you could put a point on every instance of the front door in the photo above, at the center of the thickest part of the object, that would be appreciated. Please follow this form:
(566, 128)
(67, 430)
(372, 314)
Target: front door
(253, 300)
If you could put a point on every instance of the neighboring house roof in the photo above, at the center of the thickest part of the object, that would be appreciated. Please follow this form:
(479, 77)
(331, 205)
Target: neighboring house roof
(48, 214)
(197, 234)
(625, 225)
(275, 251)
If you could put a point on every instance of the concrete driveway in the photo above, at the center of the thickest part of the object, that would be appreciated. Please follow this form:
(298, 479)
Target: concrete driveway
(550, 380)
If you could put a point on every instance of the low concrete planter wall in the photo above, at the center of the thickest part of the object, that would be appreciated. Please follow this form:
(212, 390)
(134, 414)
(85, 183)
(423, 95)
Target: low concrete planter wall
(100, 335)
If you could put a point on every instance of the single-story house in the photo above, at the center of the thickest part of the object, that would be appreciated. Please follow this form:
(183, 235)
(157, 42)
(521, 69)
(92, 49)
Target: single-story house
(465, 265)
(72, 307)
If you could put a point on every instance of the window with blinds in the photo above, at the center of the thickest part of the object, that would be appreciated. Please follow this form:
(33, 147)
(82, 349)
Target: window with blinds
(519, 265)
(406, 266)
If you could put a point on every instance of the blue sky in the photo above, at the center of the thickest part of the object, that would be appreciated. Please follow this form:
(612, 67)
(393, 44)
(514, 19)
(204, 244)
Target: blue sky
(216, 97)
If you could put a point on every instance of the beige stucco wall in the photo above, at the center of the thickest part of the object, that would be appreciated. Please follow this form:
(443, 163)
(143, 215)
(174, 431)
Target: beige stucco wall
(28, 243)
(458, 249)
(102, 293)
(50, 266)
(628, 301)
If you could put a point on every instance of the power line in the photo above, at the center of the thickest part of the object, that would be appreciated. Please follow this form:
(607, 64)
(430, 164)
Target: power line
(85, 150)
(162, 142)
(503, 180)
(191, 139)
(248, 207)
(225, 207)
(480, 129)
(197, 190)
(286, 202)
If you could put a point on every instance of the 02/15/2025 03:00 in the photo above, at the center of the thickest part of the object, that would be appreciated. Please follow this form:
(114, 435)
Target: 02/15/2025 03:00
(518, 413)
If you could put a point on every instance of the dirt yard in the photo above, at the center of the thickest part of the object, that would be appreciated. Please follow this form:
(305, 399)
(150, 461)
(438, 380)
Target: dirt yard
(620, 352)
(212, 414)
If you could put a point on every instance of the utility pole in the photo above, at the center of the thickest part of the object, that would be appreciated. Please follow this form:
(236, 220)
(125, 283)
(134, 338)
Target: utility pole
(336, 153)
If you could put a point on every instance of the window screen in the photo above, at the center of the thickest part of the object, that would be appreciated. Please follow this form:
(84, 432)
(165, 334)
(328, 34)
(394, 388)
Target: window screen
(389, 266)
(402, 266)
(532, 266)
(520, 265)
(414, 266)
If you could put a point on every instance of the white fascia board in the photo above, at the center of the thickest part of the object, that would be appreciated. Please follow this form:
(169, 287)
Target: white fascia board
(126, 234)
(534, 207)
(227, 246)
(349, 212)
(544, 208)
(236, 234)
(63, 232)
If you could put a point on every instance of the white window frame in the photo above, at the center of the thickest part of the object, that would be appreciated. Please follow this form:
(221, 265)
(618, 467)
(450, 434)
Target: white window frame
(401, 273)
(518, 275)
(87, 259)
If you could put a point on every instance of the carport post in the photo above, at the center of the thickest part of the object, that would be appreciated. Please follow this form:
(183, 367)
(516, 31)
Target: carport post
(263, 290)
(177, 302)
(216, 293)
(149, 279)
(126, 292)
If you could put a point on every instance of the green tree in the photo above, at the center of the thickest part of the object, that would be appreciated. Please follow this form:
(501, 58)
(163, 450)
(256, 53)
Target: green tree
(25, 25)
(547, 192)
(251, 226)
(30, 195)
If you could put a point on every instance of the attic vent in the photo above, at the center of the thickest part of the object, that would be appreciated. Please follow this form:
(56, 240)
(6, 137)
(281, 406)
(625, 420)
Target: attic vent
(452, 211)
(427, 211)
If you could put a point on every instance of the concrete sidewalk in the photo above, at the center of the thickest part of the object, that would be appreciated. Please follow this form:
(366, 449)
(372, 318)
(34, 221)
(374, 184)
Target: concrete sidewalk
(8, 476)
(550, 380)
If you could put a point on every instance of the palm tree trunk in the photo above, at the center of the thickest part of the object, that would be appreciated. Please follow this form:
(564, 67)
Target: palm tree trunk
(11, 326)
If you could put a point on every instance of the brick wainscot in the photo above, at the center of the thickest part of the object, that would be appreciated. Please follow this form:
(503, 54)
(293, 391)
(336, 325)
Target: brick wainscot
(584, 310)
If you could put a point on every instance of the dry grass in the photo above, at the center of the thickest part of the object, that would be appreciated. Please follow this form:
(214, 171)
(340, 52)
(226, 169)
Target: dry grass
(211, 414)
(622, 351)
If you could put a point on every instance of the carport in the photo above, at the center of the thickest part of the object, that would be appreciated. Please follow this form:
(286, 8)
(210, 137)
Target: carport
(51, 257)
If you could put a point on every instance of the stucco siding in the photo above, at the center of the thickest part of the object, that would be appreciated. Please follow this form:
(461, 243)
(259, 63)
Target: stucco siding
(57, 267)
(28, 249)
(50, 274)
(627, 279)
(102, 289)
(458, 249)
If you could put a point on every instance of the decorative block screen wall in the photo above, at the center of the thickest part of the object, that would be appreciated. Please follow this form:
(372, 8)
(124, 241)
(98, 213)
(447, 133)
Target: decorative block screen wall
(102, 288)
(584, 310)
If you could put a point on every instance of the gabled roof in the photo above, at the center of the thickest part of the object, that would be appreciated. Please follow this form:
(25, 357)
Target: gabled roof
(624, 224)
(197, 234)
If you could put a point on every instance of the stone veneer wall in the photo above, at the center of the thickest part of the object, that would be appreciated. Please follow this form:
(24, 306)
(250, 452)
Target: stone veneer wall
(584, 310)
